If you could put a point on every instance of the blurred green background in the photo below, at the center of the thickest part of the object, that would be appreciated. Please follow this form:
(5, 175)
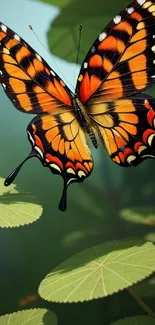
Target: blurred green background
(113, 203)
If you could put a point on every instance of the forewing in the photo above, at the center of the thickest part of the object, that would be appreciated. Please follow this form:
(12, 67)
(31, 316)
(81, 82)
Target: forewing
(61, 144)
(127, 128)
(121, 61)
(27, 79)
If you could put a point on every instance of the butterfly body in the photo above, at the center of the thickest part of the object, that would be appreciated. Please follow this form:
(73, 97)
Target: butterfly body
(109, 99)
(84, 119)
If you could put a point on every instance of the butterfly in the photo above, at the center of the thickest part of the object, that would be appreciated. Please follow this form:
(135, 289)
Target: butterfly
(108, 102)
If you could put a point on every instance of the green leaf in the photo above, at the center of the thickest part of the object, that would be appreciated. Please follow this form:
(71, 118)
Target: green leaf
(150, 236)
(99, 271)
(143, 215)
(58, 3)
(63, 36)
(138, 320)
(17, 208)
(30, 317)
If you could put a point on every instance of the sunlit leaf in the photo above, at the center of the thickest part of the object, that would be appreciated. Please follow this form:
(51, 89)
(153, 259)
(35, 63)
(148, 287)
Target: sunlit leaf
(143, 215)
(30, 317)
(138, 320)
(17, 207)
(99, 271)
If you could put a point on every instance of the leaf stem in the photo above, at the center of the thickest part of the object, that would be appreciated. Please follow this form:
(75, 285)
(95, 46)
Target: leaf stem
(141, 302)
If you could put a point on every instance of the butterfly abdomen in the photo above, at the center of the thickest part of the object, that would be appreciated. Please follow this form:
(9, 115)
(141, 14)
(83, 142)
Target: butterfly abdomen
(84, 120)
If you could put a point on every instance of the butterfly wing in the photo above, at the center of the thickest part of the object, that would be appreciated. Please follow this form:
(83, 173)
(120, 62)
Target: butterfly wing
(118, 67)
(56, 137)
(61, 145)
(127, 128)
(121, 61)
(27, 79)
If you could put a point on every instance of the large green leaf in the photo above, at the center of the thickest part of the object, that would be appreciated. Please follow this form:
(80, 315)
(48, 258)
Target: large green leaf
(99, 271)
(63, 34)
(17, 208)
(138, 320)
(142, 215)
(30, 317)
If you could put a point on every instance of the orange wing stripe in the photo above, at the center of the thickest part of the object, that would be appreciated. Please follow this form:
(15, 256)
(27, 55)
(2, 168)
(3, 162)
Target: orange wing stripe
(140, 79)
(8, 59)
(96, 61)
(136, 15)
(17, 85)
(22, 53)
(138, 36)
(134, 49)
(24, 101)
(125, 27)
(130, 128)
(107, 65)
(108, 44)
(138, 63)
(88, 85)
(15, 72)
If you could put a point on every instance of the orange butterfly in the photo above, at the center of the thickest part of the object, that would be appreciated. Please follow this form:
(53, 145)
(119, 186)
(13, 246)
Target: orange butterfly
(107, 100)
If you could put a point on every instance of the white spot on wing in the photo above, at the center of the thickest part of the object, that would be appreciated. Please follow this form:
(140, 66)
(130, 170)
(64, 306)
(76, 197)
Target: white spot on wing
(29, 134)
(102, 36)
(130, 10)
(1, 72)
(55, 167)
(17, 37)
(93, 49)
(150, 139)
(130, 159)
(4, 28)
(117, 19)
(153, 48)
(39, 151)
(85, 65)
(70, 171)
(81, 173)
(4, 86)
(141, 2)
(52, 72)
(5, 50)
(38, 57)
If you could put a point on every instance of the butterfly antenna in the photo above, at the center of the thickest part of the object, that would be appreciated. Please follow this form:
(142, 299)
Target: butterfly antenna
(49, 53)
(78, 49)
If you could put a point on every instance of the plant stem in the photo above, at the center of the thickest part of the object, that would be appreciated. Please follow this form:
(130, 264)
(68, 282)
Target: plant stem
(141, 302)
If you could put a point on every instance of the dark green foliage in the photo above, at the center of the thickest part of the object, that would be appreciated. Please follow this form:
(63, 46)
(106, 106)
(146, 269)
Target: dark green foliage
(93, 15)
